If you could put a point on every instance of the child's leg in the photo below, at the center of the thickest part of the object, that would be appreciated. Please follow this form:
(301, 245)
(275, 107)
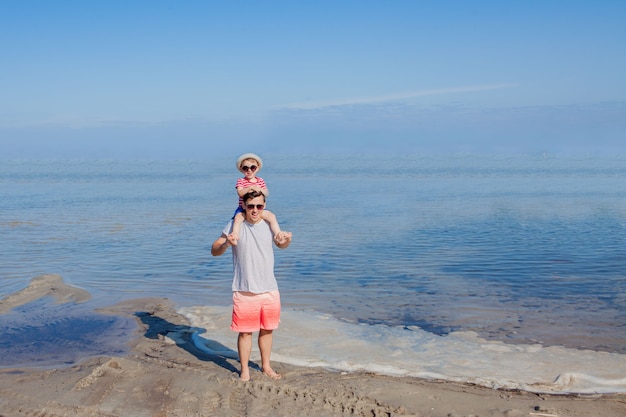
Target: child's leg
(237, 220)
(270, 217)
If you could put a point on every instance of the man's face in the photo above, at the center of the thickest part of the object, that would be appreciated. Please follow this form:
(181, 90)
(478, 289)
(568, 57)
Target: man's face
(254, 208)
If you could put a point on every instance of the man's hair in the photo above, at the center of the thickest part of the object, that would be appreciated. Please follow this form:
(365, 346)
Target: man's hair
(252, 194)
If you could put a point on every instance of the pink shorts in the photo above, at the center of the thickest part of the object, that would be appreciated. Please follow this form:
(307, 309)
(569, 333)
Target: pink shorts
(252, 312)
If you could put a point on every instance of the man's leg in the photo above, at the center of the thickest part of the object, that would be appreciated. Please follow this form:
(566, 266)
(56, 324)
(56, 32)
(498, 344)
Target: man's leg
(244, 346)
(265, 346)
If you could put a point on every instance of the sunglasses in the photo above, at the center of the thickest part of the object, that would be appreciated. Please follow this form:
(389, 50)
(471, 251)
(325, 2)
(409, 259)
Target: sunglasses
(258, 206)
(249, 168)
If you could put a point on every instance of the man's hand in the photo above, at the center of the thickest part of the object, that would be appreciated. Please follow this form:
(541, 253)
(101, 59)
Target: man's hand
(282, 239)
(233, 238)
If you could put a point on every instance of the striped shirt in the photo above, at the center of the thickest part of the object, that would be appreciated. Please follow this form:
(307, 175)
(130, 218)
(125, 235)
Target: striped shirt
(245, 183)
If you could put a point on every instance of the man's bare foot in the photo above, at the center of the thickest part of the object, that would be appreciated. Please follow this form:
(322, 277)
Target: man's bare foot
(272, 374)
(245, 375)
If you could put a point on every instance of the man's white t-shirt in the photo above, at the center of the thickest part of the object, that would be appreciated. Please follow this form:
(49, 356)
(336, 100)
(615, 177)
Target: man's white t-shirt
(253, 258)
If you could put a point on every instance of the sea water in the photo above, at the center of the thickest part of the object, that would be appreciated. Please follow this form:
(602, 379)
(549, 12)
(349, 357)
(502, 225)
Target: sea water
(507, 271)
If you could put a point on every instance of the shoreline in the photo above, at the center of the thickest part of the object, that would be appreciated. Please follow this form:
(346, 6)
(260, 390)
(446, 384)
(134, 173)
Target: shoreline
(164, 373)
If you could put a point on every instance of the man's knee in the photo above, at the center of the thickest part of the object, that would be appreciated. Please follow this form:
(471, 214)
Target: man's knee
(245, 336)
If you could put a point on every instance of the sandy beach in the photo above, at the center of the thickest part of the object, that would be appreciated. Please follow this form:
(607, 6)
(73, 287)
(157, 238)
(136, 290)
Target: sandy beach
(165, 374)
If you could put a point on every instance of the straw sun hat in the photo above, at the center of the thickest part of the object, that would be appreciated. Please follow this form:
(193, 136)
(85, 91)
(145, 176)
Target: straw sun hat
(245, 156)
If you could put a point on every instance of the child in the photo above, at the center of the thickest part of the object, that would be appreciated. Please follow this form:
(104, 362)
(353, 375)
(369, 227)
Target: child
(249, 164)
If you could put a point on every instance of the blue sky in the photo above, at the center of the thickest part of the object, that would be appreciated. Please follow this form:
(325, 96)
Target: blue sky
(151, 79)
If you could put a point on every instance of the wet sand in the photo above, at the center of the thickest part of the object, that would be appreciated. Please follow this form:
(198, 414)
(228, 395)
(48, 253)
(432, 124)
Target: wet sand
(164, 374)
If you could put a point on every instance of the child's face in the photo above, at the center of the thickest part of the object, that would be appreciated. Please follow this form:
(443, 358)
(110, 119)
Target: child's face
(249, 168)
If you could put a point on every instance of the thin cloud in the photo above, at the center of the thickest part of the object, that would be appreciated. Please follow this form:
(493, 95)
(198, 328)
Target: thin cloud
(394, 97)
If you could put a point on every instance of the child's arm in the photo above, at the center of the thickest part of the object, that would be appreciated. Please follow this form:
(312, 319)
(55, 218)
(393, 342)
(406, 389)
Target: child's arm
(243, 191)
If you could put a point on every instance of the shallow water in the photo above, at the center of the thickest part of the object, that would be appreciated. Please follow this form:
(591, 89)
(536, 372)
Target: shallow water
(44, 334)
(524, 249)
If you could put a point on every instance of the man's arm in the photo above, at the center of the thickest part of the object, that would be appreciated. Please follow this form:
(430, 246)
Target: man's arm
(220, 245)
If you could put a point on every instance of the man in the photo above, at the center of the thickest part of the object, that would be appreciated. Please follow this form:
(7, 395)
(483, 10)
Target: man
(256, 300)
